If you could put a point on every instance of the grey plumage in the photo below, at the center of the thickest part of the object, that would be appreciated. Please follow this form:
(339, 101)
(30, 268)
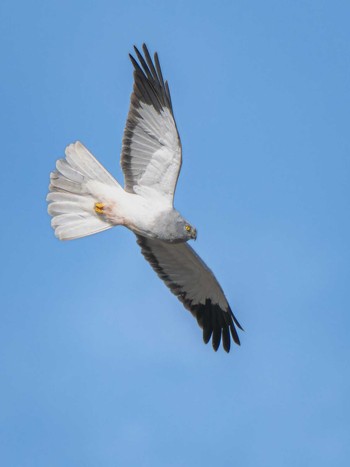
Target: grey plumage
(170, 227)
(178, 266)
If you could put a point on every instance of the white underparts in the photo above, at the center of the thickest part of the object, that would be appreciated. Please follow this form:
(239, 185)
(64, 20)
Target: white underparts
(79, 184)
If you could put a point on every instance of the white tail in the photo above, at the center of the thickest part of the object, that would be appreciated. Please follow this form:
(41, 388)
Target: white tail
(72, 198)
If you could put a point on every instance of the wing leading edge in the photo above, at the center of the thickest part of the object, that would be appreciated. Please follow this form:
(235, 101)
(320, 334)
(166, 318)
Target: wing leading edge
(151, 150)
(194, 284)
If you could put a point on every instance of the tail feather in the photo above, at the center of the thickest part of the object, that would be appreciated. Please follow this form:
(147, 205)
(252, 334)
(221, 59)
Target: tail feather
(59, 182)
(80, 159)
(79, 227)
(66, 170)
(71, 202)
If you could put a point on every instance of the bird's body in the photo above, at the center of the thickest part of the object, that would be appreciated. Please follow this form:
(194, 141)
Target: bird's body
(136, 212)
(85, 199)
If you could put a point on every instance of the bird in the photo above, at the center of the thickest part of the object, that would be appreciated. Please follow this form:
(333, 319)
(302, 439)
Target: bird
(84, 198)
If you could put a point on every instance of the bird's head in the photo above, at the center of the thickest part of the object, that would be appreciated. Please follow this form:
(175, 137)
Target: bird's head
(191, 231)
(172, 227)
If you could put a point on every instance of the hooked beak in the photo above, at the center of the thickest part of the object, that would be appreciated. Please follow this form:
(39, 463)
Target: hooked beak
(194, 234)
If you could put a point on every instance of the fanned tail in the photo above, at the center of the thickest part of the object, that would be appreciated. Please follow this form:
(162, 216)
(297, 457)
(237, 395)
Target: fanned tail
(72, 198)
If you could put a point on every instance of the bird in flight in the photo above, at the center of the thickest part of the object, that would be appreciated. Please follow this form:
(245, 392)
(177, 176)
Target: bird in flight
(85, 198)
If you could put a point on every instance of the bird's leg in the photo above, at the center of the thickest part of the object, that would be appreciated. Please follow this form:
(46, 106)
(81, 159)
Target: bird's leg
(99, 208)
(109, 212)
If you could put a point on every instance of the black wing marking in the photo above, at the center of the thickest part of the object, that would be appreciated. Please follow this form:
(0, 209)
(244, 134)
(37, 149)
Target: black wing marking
(194, 284)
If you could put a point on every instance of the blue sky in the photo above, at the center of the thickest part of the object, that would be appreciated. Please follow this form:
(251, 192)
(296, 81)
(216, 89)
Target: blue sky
(100, 365)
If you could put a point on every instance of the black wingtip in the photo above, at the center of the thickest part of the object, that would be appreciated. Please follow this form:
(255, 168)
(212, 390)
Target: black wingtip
(149, 82)
(237, 323)
(226, 341)
(234, 334)
(218, 325)
(207, 335)
(235, 320)
(134, 62)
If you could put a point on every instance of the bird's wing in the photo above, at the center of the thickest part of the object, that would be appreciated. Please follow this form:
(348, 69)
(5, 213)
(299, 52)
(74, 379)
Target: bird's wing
(194, 284)
(151, 151)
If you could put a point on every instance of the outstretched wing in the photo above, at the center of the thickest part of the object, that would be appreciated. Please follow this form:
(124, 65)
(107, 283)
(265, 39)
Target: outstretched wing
(188, 277)
(151, 151)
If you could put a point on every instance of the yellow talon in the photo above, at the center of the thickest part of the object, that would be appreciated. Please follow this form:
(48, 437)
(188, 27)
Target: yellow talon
(99, 208)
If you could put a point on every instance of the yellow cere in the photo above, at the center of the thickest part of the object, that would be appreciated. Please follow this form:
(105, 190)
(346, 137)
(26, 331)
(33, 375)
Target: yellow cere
(188, 228)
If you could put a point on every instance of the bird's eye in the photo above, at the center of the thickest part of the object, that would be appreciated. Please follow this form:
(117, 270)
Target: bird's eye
(188, 228)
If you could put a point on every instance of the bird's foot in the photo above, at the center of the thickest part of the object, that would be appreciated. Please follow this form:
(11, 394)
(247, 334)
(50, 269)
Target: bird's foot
(99, 208)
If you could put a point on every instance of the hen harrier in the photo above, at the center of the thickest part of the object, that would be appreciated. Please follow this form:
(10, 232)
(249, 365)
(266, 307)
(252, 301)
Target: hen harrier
(85, 199)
